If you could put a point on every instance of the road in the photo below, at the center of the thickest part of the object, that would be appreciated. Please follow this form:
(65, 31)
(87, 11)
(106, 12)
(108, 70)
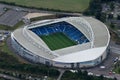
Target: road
(61, 73)
(36, 10)
(108, 63)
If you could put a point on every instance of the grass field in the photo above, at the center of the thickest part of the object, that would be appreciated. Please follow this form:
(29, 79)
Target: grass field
(66, 5)
(57, 41)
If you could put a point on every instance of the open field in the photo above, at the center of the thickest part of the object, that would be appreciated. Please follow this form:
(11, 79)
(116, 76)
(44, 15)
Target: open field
(57, 41)
(66, 5)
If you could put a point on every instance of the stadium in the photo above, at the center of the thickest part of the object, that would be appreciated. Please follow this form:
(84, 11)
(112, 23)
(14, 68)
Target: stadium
(71, 42)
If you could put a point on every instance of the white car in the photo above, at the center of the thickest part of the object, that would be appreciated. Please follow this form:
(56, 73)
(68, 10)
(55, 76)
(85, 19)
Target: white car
(102, 67)
(90, 73)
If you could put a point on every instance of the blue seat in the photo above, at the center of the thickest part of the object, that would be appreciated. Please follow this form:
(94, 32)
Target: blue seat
(68, 29)
(43, 31)
(50, 30)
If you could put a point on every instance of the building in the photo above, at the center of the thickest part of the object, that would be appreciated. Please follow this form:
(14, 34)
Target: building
(90, 35)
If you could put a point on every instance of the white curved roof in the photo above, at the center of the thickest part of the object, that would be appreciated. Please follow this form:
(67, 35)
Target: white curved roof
(82, 56)
(93, 29)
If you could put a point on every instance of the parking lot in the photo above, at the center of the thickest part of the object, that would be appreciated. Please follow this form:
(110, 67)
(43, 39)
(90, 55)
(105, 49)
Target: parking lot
(11, 17)
(2, 9)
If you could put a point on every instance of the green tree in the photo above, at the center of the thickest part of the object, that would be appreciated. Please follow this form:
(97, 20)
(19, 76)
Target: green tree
(110, 16)
(115, 78)
(103, 17)
(112, 6)
(112, 26)
(118, 17)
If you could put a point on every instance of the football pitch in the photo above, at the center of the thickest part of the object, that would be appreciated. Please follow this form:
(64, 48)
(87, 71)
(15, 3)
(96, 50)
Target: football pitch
(57, 41)
(65, 5)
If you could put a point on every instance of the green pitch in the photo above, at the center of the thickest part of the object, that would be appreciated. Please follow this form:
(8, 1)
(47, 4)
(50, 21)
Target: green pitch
(66, 5)
(57, 41)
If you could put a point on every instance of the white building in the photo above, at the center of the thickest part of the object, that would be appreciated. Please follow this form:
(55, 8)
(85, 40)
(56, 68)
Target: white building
(89, 54)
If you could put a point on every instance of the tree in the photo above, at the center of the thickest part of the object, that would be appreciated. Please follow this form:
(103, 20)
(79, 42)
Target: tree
(112, 6)
(112, 25)
(98, 15)
(94, 7)
(110, 16)
(103, 17)
(115, 78)
(101, 77)
(118, 17)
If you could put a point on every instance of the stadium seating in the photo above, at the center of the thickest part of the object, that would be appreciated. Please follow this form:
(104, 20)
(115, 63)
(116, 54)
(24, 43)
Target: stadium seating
(64, 27)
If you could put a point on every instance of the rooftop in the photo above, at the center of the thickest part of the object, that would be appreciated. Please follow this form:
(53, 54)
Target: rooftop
(94, 30)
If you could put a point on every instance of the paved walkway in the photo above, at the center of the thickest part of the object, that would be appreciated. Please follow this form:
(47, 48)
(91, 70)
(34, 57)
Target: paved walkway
(61, 73)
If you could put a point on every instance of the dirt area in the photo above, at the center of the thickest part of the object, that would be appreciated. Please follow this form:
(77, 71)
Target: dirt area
(34, 15)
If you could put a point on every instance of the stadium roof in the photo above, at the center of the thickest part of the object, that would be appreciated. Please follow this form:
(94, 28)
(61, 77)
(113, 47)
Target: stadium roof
(93, 29)
(82, 56)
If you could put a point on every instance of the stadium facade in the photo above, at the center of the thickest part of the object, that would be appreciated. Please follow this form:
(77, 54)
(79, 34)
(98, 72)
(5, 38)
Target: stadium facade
(91, 36)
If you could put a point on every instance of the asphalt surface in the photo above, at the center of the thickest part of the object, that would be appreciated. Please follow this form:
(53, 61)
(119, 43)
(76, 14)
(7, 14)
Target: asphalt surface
(61, 73)
(11, 17)
(2, 9)
(108, 63)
